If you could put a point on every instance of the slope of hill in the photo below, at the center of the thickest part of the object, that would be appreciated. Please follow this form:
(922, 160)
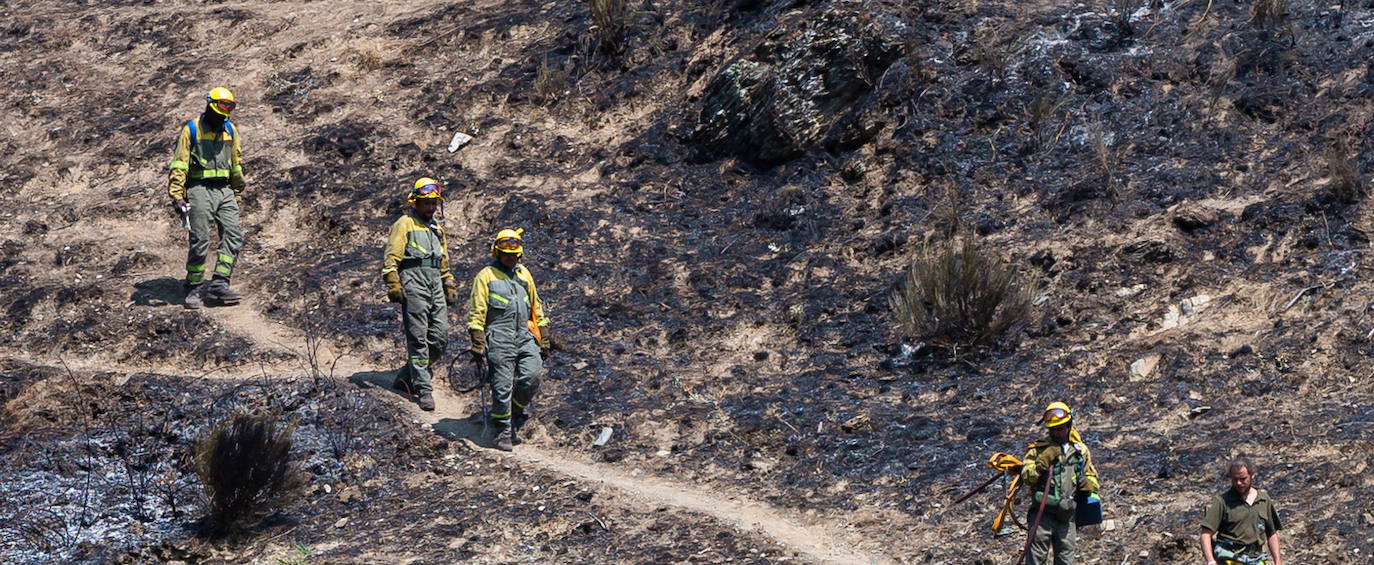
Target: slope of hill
(717, 205)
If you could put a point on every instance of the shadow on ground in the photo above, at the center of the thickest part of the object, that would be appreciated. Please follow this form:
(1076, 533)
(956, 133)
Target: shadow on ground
(158, 292)
(473, 428)
(379, 379)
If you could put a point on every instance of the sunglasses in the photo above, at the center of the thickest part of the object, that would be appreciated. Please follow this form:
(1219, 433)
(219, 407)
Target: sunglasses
(508, 244)
(226, 105)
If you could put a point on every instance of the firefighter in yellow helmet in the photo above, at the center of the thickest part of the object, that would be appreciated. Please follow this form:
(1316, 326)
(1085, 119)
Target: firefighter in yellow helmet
(510, 332)
(205, 180)
(1063, 460)
(416, 271)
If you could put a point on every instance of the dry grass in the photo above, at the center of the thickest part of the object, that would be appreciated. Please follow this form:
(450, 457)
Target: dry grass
(960, 294)
(550, 82)
(989, 51)
(1345, 184)
(610, 22)
(247, 469)
(1269, 14)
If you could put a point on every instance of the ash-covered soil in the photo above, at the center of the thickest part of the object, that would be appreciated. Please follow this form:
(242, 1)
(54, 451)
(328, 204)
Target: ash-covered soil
(717, 220)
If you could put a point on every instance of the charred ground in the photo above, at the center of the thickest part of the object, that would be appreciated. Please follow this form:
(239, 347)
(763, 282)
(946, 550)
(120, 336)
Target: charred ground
(717, 211)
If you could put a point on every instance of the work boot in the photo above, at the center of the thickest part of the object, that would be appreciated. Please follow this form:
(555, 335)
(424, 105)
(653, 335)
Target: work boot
(501, 435)
(426, 401)
(517, 421)
(192, 300)
(220, 292)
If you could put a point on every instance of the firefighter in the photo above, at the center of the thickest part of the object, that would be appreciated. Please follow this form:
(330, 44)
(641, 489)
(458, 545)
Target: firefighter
(510, 333)
(1063, 460)
(205, 181)
(416, 271)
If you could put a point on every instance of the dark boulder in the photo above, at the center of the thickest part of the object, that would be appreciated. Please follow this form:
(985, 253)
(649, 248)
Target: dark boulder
(806, 81)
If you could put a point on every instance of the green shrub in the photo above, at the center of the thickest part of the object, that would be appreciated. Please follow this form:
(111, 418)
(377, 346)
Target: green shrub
(247, 469)
(960, 294)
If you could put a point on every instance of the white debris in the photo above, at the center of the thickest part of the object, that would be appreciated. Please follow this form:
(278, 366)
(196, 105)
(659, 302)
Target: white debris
(603, 438)
(459, 139)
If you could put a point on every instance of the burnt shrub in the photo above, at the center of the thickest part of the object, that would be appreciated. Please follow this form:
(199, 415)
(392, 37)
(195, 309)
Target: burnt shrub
(247, 469)
(960, 294)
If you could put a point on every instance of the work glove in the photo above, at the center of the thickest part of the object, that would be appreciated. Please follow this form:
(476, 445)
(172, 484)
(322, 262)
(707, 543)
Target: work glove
(545, 342)
(181, 206)
(479, 343)
(1045, 460)
(393, 287)
(451, 294)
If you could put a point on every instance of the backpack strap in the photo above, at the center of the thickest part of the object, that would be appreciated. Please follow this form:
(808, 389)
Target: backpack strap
(229, 128)
(195, 137)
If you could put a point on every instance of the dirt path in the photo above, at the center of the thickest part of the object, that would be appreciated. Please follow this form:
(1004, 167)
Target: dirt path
(822, 542)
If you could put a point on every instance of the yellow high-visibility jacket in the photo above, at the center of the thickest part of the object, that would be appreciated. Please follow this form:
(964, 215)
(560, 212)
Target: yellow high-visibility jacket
(1084, 472)
(499, 300)
(413, 243)
(214, 155)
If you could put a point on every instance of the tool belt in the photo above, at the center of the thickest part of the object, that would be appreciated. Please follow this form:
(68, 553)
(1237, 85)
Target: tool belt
(431, 262)
(1232, 553)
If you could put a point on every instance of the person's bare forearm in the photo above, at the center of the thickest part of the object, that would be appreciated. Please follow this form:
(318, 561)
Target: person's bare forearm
(1205, 540)
(1274, 549)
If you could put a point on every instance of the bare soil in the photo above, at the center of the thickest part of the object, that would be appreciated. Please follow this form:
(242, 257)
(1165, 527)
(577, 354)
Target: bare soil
(1185, 181)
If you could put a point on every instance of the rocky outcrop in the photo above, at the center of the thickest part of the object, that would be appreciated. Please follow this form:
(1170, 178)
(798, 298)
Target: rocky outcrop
(802, 86)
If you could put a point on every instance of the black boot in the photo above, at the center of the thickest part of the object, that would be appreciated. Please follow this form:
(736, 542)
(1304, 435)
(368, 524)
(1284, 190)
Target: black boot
(517, 421)
(192, 300)
(501, 435)
(219, 291)
(426, 401)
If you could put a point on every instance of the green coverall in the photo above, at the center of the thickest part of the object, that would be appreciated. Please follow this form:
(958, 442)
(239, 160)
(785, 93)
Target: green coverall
(208, 174)
(416, 251)
(502, 305)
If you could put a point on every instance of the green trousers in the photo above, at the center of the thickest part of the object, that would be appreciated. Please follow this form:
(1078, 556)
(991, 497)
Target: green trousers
(209, 202)
(425, 316)
(514, 372)
(1060, 534)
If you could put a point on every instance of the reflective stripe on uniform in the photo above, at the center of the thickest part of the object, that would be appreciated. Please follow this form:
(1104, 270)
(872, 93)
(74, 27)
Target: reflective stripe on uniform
(517, 404)
(499, 298)
(236, 169)
(420, 362)
(505, 416)
(178, 165)
(388, 270)
(417, 246)
(209, 174)
(195, 273)
(226, 258)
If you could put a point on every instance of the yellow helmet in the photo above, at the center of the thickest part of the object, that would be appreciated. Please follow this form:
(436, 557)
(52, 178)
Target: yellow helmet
(426, 188)
(508, 241)
(221, 101)
(1056, 414)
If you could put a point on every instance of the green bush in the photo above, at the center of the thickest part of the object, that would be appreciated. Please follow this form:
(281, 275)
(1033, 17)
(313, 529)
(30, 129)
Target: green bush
(247, 469)
(960, 294)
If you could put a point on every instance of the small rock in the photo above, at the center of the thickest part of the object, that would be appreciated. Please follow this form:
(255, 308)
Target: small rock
(459, 139)
(580, 365)
(341, 523)
(1108, 525)
(1144, 367)
(349, 494)
(663, 453)
(1198, 411)
(1369, 519)
(604, 437)
(328, 489)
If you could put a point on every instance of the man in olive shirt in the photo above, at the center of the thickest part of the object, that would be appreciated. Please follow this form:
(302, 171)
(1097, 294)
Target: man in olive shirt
(1241, 526)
